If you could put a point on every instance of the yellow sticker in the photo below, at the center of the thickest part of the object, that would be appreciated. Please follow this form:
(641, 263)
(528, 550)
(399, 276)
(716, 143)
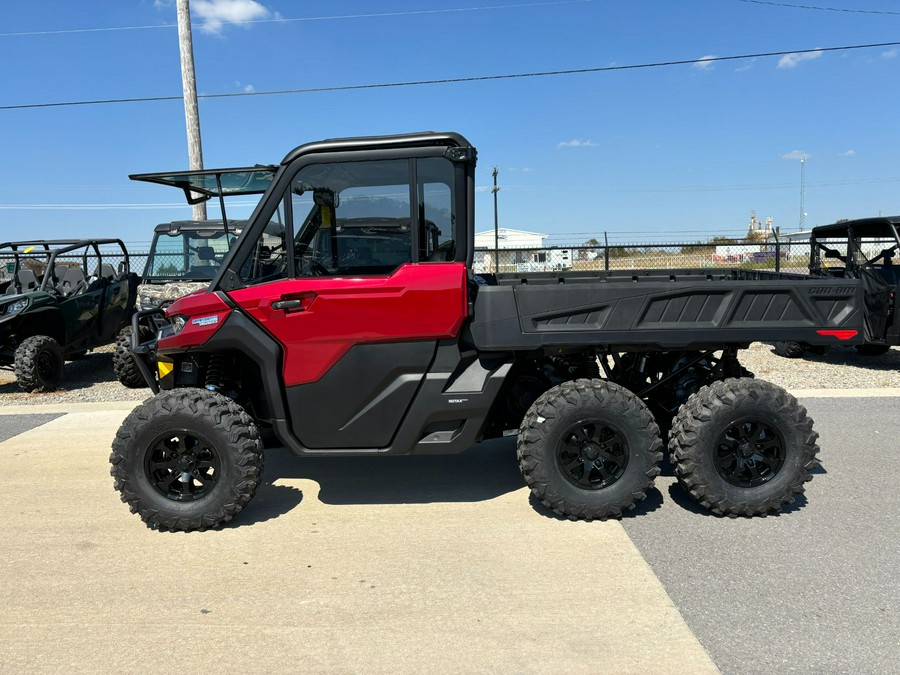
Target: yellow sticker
(29, 249)
(326, 218)
(164, 368)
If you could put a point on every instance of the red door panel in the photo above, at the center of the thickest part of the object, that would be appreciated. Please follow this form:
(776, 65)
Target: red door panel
(317, 319)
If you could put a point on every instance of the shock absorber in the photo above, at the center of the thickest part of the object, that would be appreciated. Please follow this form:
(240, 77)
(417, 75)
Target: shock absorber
(731, 367)
(215, 372)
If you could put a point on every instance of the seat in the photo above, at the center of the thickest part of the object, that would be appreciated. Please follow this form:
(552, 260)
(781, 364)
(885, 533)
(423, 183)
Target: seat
(25, 281)
(72, 282)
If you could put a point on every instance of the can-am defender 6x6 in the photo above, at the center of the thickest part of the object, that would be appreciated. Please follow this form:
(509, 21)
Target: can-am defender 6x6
(347, 319)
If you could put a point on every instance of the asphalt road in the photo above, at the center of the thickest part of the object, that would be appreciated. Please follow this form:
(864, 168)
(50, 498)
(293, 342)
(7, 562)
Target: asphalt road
(812, 590)
(13, 425)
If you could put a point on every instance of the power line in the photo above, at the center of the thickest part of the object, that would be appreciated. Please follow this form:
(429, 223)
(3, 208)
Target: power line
(305, 18)
(452, 80)
(820, 9)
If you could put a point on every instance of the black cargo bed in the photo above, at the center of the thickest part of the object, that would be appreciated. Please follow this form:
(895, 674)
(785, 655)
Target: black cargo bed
(664, 309)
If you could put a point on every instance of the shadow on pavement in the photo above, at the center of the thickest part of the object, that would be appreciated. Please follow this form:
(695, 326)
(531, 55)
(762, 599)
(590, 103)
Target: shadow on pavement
(483, 472)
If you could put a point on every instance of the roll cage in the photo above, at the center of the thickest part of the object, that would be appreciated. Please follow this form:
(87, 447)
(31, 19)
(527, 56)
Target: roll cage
(51, 249)
(854, 232)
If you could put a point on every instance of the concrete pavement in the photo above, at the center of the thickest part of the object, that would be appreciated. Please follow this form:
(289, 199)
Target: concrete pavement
(397, 565)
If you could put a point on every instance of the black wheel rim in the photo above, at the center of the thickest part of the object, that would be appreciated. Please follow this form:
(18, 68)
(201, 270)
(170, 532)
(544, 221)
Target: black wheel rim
(749, 453)
(47, 366)
(182, 466)
(592, 455)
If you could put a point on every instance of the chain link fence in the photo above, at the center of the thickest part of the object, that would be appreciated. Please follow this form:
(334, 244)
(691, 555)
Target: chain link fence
(774, 256)
(36, 261)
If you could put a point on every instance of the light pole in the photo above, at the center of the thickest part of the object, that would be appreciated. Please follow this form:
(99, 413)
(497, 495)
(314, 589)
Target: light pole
(802, 192)
(496, 224)
(189, 90)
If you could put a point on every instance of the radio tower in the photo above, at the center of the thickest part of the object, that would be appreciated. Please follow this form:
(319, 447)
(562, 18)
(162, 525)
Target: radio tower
(802, 192)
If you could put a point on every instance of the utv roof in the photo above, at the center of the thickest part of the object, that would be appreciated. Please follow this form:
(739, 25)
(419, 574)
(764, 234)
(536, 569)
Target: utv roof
(414, 140)
(254, 180)
(177, 226)
(869, 228)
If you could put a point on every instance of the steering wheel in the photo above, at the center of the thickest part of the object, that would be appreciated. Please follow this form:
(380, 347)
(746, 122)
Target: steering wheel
(313, 268)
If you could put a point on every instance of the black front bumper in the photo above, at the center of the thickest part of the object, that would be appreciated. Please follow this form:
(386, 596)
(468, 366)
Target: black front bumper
(144, 353)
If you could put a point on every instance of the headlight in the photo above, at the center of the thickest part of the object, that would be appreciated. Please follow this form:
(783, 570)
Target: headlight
(178, 323)
(15, 307)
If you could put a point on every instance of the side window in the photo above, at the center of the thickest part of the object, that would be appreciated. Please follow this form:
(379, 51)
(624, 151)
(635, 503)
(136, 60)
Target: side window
(268, 260)
(437, 218)
(352, 218)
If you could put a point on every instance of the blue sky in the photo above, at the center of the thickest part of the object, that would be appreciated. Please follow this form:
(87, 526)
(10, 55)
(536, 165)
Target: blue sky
(664, 154)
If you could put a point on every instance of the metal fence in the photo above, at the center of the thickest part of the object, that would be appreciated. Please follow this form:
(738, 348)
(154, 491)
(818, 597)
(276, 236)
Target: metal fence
(36, 262)
(775, 256)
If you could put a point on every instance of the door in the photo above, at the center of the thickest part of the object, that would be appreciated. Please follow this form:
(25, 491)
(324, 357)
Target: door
(358, 286)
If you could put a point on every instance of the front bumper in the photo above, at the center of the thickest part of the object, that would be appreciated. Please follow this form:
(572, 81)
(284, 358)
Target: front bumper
(145, 354)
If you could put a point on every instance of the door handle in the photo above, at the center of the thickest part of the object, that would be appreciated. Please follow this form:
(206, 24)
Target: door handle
(288, 304)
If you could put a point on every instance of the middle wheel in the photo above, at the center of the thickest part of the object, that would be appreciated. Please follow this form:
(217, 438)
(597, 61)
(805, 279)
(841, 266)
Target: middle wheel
(589, 449)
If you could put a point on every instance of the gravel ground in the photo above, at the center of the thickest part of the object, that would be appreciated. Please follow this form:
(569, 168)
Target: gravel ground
(92, 378)
(86, 380)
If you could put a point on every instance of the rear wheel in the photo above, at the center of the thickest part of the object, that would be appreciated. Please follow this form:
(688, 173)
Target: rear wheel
(789, 349)
(123, 360)
(39, 364)
(743, 447)
(589, 449)
(872, 350)
(187, 459)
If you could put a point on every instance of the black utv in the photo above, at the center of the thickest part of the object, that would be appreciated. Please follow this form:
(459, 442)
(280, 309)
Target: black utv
(62, 299)
(862, 249)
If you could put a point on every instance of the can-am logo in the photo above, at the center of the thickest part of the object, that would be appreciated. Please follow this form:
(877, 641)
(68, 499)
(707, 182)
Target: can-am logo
(205, 320)
(827, 290)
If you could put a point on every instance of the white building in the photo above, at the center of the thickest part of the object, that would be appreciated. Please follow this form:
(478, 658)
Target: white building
(514, 246)
(509, 238)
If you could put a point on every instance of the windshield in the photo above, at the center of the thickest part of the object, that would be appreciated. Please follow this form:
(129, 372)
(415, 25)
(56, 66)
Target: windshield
(187, 255)
(249, 181)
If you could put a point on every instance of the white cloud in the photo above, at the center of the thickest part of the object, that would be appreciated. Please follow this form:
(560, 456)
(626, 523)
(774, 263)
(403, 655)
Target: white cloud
(889, 54)
(849, 153)
(577, 143)
(705, 62)
(523, 169)
(795, 154)
(791, 60)
(214, 14)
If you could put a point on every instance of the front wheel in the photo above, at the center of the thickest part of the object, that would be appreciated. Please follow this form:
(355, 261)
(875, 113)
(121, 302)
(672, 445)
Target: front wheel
(743, 447)
(39, 364)
(589, 449)
(187, 459)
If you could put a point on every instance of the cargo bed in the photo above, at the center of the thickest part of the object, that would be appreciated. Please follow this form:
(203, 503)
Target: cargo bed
(664, 309)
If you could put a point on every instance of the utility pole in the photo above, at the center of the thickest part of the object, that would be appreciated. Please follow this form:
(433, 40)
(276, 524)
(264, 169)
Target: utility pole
(189, 89)
(802, 192)
(496, 224)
